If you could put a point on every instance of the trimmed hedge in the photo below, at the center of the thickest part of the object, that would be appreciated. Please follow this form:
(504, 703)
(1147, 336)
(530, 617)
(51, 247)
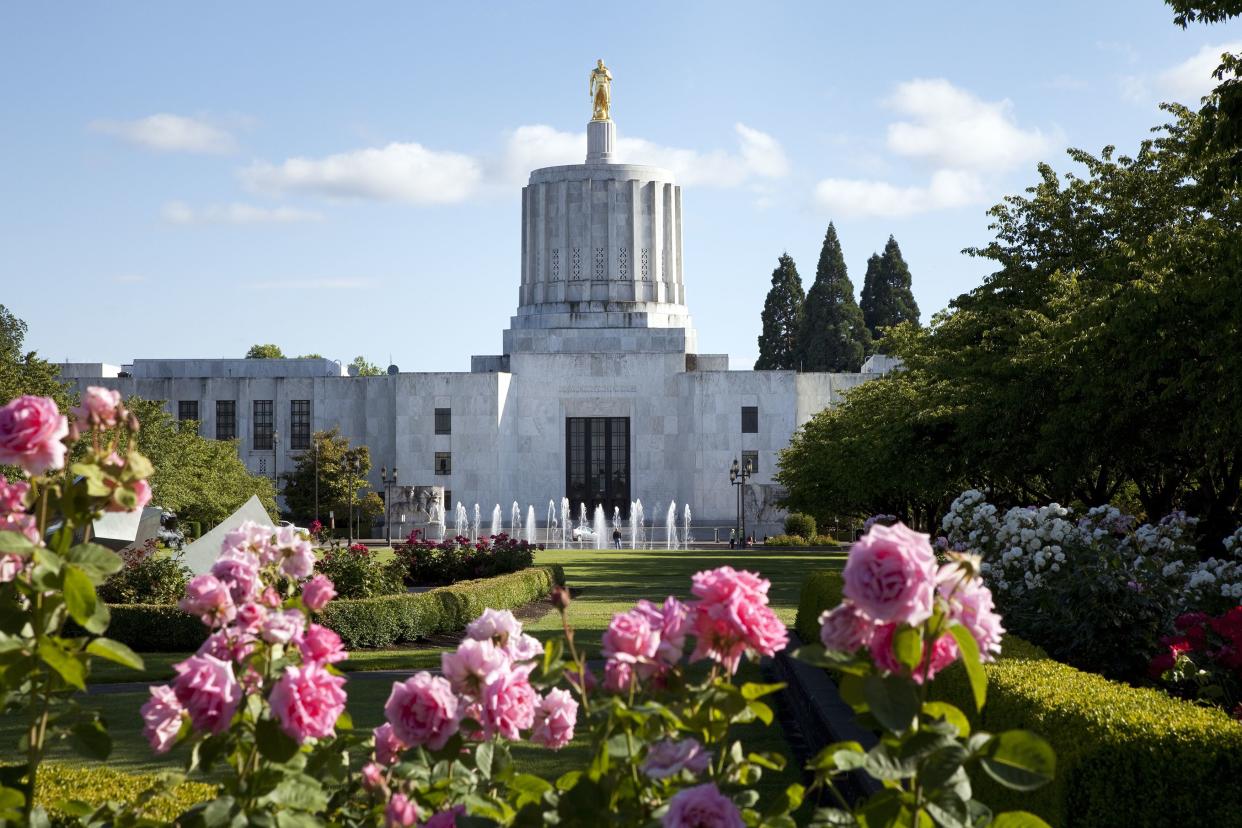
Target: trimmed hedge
(1125, 755)
(96, 785)
(360, 622)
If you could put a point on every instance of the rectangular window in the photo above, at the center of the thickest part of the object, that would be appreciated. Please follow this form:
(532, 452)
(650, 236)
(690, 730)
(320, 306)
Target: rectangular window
(299, 424)
(750, 419)
(597, 462)
(448, 504)
(263, 425)
(444, 421)
(187, 410)
(226, 419)
(444, 462)
(751, 459)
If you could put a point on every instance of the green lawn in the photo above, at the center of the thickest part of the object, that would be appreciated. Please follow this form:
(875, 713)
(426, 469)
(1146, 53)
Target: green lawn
(604, 582)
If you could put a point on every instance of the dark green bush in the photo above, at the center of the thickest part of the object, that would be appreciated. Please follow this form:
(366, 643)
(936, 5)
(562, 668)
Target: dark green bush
(1125, 755)
(802, 525)
(356, 572)
(427, 563)
(95, 785)
(155, 628)
(151, 575)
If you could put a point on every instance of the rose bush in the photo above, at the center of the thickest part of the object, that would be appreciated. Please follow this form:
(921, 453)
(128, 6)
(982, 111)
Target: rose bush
(422, 562)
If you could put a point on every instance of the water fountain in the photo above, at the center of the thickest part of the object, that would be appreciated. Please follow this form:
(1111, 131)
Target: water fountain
(550, 533)
(474, 527)
(497, 527)
(616, 519)
(685, 527)
(600, 528)
(459, 521)
(636, 524)
(584, 524)
(566, 522)
(435, 521)
(530, 525)
(515, 520)
(670, 525)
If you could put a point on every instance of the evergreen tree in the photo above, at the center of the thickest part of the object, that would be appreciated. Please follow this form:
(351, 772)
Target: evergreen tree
(782, 318)
(886, 297)
(833, 336)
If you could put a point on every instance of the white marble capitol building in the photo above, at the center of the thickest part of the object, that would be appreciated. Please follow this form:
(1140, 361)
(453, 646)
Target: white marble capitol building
(599, 395)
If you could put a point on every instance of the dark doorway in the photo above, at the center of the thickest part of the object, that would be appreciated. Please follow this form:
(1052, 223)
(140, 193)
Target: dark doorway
(597, 463)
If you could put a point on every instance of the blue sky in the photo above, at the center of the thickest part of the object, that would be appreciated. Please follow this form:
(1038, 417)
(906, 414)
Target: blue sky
(183, 180)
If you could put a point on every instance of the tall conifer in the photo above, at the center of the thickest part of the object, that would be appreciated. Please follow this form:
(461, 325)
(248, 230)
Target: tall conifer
(782, 318)
(833, 335)
(886, 297)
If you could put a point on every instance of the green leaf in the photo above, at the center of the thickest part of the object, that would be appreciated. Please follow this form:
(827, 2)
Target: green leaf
(908, 647)
(299, 792)
(530, 788)
(839, 756)
(1018, 819)
(969, 649)
(894, 701)
(15, 543)
(949, 811)
(66, 664)
(1019, 759)
(883, 808)
(11, 803)
(771, 761)
(831, 818)
(99, 620)
(883, 763)
(115, 651)
(274, 743)
(483, 756)
(751, 690)
(95, 560)
(762, 712)
(567, 780)
(92, 739)
(79, 594)
(939, 766)
(851, 689)
(946, 712)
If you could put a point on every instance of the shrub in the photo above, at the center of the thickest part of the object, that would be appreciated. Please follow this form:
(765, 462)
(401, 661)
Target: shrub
(391, 619)
(150, 575)
(357, 573)
(797, 523)
(786, 540)
(1125, 755)
(424, 562)
(95, 785)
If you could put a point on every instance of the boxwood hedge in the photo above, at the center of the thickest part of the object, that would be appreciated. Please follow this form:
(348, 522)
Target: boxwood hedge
(361, 622)
(1125, 755)
(95, 785)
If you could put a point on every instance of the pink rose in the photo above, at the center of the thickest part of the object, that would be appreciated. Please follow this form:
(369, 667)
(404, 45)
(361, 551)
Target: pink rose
(943, 653)
(617, 676)
(250, 617)
(508, 705)
(630, 638)
(732, 616)
(672, 621)
(401, 811)
(253, 538)
(13, 496)
(523, 647)
(970, 604)
(555, 719)
(228, 645)
(388, 747)
(31, 431)
(317, 592)
(142, 493)
(308, 700)
(845, 628)
(474, 665)
(668, 758)
(891, 575)
(422, 711)
(206, 688)
(372, 776)
(239, 571)
(320, 645)
(208, 598)
(497, 625)
(702, 806)
(445, 819)
(10, 566)
(270, 598)
(99, 408)
(161, 717)
(284, 627)
(297, 555)
(23, 525)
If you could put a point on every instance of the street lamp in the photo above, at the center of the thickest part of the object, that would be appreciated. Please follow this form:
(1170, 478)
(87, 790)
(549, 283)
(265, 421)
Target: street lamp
(275, 459)
(316, 481)
(352, 466)
(738, 477)
(390, 485)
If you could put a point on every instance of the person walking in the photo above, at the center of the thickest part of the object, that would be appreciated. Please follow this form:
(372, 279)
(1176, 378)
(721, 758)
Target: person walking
(733, 539)
(616, 538)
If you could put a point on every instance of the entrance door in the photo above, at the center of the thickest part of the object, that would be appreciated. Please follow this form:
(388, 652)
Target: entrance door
(597, 463)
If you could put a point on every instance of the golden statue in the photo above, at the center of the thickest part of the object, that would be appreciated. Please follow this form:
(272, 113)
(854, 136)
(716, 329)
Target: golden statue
(601, 91)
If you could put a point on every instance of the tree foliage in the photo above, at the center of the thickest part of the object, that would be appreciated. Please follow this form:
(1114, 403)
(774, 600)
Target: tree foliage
(341, 469)
(1100, 357)
(197, 478)
(833, 336)
(887, 299)
(267, 351)
(366, 369)
(24, 372)
(782, 318)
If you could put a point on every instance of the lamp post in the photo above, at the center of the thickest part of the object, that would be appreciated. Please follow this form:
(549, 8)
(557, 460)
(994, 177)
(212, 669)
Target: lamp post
(390, 485)
(738, 477)
(316, 480)
(351, 472)
(275, 459)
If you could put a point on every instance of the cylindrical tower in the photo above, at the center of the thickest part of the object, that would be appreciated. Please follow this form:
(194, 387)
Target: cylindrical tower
(601, 249)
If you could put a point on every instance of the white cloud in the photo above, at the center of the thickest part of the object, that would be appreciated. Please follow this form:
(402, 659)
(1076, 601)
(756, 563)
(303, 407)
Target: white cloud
(406, 172)
(758, 155)
(950, 127)
(1191, 79)
(313, 284)
(178, 212)
(169, 133)
(861, 197)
